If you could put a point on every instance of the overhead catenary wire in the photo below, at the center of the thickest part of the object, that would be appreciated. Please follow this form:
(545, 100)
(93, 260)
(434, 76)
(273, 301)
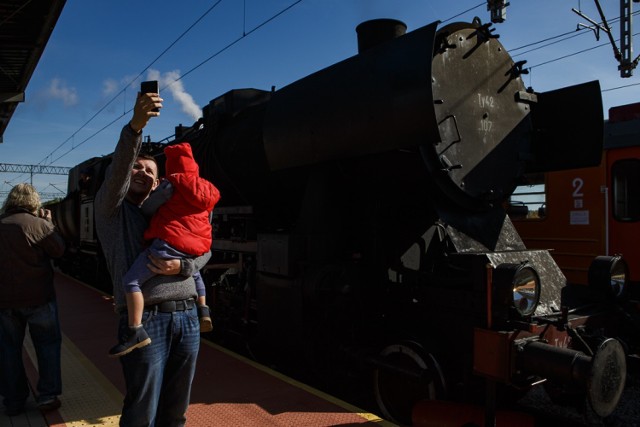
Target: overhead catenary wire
(572, 54)
(245, 34)
(541, 44)
(116, 96)
(463, 12)
(565, 36)
(127, 85)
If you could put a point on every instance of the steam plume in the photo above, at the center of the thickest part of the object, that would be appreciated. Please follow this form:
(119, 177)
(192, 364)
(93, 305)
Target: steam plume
(176, 88)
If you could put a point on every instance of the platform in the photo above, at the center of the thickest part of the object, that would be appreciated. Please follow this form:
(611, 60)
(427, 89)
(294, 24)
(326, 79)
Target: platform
(229, 390)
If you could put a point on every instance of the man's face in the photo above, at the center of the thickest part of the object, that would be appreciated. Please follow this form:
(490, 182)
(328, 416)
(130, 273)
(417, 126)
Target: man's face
(144, 177)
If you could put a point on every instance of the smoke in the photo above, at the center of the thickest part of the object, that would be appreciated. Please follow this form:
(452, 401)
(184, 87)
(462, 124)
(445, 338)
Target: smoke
(170, 81)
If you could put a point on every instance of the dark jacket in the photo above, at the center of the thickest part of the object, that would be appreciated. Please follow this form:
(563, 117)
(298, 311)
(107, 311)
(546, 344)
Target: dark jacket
(27, 244)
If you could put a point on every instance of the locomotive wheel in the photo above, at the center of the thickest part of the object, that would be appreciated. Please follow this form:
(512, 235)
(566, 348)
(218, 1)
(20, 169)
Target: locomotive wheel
(404, 375)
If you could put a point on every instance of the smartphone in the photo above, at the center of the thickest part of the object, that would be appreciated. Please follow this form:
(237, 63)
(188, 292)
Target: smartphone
(150, 86)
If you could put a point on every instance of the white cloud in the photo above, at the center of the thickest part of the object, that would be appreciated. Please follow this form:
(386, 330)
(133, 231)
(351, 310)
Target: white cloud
(58, 89)
(109, 87)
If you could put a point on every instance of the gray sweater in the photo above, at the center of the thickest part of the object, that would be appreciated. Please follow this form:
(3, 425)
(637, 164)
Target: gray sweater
(120, 226)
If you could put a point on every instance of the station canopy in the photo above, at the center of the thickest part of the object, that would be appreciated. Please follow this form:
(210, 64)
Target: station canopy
(25, 28)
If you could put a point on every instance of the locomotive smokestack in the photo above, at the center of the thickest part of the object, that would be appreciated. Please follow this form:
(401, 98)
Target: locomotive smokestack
(374, 32)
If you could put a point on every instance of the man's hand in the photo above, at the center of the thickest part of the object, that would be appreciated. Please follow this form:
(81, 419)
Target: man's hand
(143, 110)
(168, 267)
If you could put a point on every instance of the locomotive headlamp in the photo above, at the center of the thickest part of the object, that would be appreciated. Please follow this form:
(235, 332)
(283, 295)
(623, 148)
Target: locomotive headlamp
(516, 289)
(608, 275)
(526, 290)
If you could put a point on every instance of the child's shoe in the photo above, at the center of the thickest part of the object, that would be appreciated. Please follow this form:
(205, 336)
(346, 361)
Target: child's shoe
(136, 338)
(205, 318)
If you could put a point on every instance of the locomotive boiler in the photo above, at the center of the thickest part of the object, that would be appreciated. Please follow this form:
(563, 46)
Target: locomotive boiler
(362, 229)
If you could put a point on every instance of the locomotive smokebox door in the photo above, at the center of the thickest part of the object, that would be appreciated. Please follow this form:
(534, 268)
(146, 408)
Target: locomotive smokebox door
(484, 130)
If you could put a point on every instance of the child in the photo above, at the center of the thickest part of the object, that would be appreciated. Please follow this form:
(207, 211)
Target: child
(180, 228)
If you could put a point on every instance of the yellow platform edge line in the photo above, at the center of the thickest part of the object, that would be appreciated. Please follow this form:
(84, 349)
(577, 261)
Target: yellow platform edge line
(338, 402)
(112, 391)
(76, 397)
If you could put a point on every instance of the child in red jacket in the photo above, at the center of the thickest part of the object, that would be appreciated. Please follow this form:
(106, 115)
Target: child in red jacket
(180, 228)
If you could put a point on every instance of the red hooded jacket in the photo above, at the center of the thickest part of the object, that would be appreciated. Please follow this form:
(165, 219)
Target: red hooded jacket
(183, 221)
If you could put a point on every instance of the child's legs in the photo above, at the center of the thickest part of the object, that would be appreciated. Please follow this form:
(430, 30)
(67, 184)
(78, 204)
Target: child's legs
(135, 307)
(162, 249)
(197, 277)
(138, 273)
(202, 300)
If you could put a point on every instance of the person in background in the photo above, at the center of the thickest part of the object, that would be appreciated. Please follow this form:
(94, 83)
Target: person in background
(28, 241)
(180, 228)
(158, 376)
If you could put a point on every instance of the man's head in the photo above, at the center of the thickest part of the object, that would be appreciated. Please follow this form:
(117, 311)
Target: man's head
(144, 178)
(22, 196)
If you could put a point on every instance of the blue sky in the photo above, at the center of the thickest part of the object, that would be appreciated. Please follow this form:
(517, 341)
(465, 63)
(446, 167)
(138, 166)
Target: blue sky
(80, 94)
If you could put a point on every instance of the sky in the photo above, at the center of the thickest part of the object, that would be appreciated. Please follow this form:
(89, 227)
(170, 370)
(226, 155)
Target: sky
(84, 87)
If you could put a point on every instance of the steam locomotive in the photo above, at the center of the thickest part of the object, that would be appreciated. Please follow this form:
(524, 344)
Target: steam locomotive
(362, 226)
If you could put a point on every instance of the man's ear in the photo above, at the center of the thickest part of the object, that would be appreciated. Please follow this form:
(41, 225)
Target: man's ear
(155, 184)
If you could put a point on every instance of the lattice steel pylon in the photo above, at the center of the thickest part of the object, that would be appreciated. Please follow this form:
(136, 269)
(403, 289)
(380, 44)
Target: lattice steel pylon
(34, 169)
(31, 170)
(623, 55)
(43, 196)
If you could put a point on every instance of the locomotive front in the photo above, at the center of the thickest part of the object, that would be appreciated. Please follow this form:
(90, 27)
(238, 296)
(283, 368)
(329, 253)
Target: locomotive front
(362, 219)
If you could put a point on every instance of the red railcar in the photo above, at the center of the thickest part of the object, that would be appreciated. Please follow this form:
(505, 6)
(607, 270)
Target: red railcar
(582, 213)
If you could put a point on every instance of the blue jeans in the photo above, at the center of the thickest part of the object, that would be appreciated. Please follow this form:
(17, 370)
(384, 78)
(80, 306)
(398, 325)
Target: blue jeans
(158, 377)
(46, 336)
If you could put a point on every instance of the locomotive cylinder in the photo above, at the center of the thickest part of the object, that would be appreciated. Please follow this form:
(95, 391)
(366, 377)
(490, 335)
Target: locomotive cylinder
(557, 363)
(602, 377)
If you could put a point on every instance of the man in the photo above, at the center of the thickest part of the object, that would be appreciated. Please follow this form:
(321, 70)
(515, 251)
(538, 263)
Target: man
(158, 376)
(28, 241)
